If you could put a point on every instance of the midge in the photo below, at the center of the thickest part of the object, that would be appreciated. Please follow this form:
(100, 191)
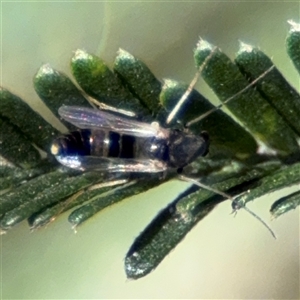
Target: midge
(110, 141)
(115, 143)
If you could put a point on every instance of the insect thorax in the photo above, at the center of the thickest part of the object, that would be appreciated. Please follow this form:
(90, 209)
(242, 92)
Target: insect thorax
(186, 147)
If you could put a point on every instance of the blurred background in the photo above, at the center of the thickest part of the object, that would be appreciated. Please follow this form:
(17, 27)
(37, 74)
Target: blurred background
(223, 257)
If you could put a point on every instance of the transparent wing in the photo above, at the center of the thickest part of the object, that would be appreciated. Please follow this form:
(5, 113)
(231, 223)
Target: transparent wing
(83, 117)
(95, 163)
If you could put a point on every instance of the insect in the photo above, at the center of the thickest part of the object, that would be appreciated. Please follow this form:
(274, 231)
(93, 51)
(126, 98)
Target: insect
(112, 142)
(109, 141)
(115, 143)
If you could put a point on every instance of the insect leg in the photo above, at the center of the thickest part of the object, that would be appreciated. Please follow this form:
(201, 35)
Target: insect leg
(185, 96)
(50, 214)
(104, 106)
(86, 211)
(107, 184)
(203, 116)
(203, 186)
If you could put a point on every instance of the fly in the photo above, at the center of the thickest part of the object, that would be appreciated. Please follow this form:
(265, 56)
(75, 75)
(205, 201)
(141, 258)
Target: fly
(113, 142)
(107, 142)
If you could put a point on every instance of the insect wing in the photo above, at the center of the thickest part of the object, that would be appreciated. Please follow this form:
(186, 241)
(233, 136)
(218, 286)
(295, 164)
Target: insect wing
(83, 117)
(95, 163)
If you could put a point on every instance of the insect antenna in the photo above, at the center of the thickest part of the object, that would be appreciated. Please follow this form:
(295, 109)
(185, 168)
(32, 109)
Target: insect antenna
(203, 116)
(191, 86)
(185, 96)
(206, 187)
(260, 219)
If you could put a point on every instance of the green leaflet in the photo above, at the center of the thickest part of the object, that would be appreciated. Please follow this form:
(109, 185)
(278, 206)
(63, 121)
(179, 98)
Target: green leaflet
(139, 79)
(293, 44)
(172, 224)
(88, 210)
(42, 218)
(279, 179)
(98, 81)
(26, 192)
(56, 89)
(256, 114)
(16, 147)
(12, 177)
(276, 90)
(51, 194)
(20, 114)
(285, 204)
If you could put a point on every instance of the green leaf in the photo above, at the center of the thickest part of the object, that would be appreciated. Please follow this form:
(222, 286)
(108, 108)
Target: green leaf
(20, 114)
(56, 89)
(12, 177)
(248, 107)
(286, 176)
(233, 165)
(48, 214)
(276, 90)
(16, 147)
(285, 204)
(139, 79)
(172, 224)
(88, 210)
(293, 44)
(57, 191)
(98, 81)
(26, 192)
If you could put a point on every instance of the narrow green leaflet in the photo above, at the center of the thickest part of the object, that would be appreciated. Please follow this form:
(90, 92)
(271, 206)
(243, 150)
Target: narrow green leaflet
(12, 177)
(42, 218)
(97, 80)
(139, 79)
(293, 44)
(132, 188)
(257, 115)
(277, 91)
(15, 147)
(160, 237)
(24, 193)
(172, 224)
(285, 204)
(56, 89)
(52, 194)
(279, 179)
(34, 127)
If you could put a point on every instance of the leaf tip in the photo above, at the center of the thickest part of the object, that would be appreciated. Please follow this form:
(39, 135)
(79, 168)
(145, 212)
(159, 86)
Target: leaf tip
(243, 47)
(295, 27)
(80, 54)
(45, 69)
(203, 45)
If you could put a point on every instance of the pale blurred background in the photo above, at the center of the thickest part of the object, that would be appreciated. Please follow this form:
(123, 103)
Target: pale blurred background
(223, 257)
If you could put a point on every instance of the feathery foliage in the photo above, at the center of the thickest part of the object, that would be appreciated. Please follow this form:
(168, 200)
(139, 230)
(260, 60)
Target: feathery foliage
(38, 189)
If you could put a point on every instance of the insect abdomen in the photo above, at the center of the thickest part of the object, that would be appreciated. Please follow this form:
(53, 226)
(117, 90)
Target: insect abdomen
(95, 143)
(122, 146)
(72, 144)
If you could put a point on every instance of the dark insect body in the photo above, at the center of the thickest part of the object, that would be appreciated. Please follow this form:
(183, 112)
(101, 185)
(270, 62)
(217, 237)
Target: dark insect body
(119, 144)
